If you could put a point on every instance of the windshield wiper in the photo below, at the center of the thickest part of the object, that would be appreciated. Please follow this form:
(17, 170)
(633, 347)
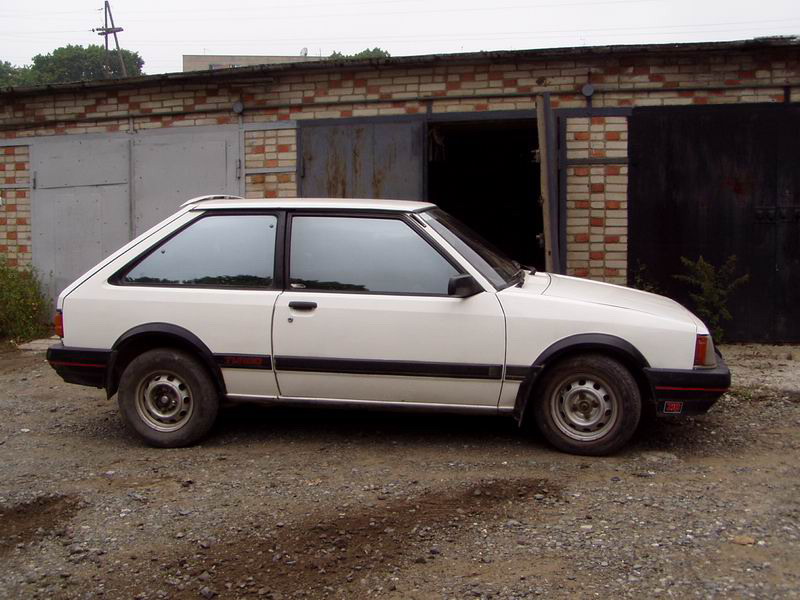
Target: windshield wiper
(518, 278)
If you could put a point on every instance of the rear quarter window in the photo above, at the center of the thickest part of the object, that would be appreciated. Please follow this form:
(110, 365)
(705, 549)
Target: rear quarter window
(216, 250)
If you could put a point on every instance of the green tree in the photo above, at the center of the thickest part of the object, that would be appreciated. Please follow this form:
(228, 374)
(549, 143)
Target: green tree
(76, 63)
(366, 53)
(71, 63)
(11, 76)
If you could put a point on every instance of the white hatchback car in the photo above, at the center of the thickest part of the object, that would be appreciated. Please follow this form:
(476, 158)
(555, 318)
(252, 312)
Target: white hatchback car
(369, 303)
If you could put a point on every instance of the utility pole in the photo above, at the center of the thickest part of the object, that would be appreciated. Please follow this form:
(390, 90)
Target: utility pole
(106, 31)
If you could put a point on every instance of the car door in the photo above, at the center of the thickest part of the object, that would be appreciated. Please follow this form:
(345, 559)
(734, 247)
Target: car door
(366, 316)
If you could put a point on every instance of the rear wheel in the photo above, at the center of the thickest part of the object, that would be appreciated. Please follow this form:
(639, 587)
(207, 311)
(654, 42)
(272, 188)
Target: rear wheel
(167, 398)
(589, 404)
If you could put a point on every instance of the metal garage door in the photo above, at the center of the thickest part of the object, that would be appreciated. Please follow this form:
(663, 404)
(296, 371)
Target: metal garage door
(87, 190)
(169, 168)
(721, 181)
(362, 160)
(80, 207)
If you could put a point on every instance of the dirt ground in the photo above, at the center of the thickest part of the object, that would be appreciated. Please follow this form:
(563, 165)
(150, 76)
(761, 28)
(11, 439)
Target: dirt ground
(308, 504)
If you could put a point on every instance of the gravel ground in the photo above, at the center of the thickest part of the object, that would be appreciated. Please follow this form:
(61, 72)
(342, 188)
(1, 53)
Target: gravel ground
(297, 504)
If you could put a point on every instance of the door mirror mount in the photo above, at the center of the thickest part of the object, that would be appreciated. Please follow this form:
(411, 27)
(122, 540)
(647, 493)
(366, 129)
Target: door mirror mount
(463, 286)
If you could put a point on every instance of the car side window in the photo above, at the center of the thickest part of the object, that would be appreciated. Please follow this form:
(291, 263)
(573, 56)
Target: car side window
(218, 250)
(363, 254)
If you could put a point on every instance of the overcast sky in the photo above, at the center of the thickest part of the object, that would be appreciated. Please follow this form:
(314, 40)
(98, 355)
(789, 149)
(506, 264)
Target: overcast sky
(161, 31)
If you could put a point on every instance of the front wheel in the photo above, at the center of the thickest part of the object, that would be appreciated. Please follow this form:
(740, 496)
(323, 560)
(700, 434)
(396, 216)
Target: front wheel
(167, 398)
(590, 404)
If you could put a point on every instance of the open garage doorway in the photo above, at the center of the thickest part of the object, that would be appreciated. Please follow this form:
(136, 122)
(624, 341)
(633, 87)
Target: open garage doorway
(486, 174)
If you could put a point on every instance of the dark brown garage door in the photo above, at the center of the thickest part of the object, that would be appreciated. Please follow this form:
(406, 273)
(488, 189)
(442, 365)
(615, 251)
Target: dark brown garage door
(721, 181)
(362, 159)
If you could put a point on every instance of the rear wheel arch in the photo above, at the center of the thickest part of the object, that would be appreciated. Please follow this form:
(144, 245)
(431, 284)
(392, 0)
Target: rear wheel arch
(150, 336)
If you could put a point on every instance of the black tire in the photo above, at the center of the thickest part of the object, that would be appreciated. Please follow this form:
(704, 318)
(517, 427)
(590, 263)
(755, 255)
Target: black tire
(588, 404)
(167, 398)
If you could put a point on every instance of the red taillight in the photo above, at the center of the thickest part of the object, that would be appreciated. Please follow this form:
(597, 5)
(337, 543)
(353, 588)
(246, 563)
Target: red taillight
(58, 323)
(704, 352)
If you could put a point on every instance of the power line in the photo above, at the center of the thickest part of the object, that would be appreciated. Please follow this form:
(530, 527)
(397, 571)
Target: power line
(306, 16)
(683, 28)
(461, 36)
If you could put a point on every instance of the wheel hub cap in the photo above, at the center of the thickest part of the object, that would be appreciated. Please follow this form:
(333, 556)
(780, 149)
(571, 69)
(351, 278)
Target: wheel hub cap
(164, 402)
(584, 408)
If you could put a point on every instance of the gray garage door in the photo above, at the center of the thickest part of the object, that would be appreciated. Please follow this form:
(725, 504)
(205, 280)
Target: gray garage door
(362, 160)
(87, 190)
(80, 207)
(170, 168)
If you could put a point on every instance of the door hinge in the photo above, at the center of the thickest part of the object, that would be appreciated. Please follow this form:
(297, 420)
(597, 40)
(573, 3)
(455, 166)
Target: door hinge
(33, 180)
(238, 168)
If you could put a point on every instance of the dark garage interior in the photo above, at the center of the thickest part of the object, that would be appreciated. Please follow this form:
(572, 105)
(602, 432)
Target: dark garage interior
(482, 171)
(485, 173)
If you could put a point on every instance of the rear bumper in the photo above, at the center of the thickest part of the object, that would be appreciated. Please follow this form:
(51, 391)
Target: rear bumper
(688, 391)
(82, 366)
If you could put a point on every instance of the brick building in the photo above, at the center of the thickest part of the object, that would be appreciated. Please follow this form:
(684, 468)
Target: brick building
(602, 162)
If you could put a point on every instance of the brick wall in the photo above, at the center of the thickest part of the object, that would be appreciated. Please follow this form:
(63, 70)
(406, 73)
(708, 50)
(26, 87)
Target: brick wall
(270, 158)
(597, 198)
(628, 81)
(596, 184)
(15, 213)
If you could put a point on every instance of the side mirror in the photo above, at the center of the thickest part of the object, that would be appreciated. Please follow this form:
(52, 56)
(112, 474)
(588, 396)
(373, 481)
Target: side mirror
(463, 286)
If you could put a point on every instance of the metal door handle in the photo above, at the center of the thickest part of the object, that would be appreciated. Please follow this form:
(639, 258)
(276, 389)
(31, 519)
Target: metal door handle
(297, 305)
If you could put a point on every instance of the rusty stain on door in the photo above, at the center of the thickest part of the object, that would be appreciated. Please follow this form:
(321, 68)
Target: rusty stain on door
(367, 160)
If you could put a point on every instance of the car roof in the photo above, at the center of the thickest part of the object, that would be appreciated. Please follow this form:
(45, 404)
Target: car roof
(236, 202)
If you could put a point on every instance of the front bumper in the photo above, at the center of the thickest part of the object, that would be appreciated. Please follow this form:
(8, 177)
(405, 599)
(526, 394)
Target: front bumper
(82, 366)
(688, 391)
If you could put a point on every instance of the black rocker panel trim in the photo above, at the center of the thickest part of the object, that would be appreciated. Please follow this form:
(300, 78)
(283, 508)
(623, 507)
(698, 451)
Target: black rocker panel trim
(243, 361)
(388, 367)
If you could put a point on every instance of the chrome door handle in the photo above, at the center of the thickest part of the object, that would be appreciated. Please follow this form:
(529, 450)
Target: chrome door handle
(297, 305)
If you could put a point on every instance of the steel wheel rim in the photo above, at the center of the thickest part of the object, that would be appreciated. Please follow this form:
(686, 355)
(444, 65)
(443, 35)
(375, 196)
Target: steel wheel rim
(164, 401)
(584, 407)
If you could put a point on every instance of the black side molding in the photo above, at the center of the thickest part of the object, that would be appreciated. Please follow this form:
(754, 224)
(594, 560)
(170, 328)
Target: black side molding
(516, 373)
(387, 367)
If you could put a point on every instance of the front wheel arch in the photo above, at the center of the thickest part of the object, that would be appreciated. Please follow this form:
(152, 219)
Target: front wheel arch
(575, 345)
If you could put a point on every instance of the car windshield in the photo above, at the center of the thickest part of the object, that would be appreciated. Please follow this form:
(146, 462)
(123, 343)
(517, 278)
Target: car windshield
(500, 270)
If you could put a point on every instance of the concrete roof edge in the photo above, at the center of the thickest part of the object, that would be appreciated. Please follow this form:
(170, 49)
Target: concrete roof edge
(763, 43)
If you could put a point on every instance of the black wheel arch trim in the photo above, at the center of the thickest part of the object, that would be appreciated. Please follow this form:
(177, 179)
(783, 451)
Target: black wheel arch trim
(582, 342)
(168, 330)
